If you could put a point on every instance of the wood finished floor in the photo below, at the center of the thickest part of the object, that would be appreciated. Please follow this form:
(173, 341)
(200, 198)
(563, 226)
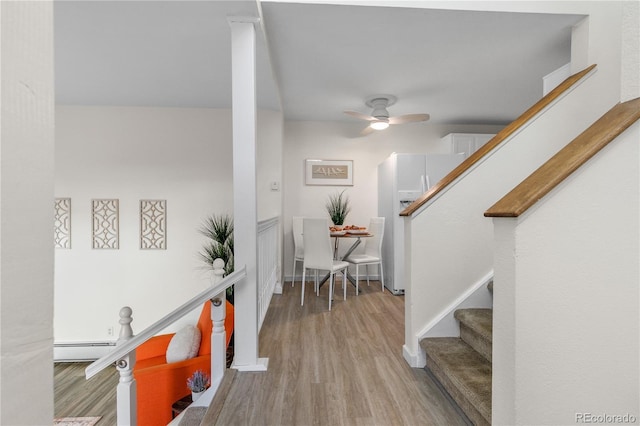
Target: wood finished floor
(343, 367)
(75, 396)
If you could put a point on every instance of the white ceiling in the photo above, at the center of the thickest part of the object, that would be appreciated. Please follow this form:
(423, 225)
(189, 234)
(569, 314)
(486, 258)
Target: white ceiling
(460, 67)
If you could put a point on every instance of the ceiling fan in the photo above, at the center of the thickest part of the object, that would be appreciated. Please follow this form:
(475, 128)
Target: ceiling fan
(379, 118)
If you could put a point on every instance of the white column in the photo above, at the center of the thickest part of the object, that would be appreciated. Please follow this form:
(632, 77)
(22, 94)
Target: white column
(26, 209)
(243, 70)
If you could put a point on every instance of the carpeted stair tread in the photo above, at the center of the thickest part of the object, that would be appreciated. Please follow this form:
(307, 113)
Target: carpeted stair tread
(478, 320)
(464, 373)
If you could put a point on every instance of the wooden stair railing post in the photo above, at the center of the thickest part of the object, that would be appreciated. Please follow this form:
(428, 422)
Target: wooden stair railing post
(218, 332)
(127, 414)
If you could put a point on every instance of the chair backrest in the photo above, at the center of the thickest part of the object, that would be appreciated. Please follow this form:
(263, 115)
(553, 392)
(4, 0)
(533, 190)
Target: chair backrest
(318, 252)
(373, 245)
(298, 242)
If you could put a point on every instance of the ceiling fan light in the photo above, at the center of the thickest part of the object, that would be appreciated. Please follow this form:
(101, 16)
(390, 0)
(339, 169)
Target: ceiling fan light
(379, 125)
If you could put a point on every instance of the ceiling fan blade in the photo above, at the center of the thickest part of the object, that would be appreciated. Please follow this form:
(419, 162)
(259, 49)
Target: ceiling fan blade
(366, 131)
(409, 118)
(359, 115)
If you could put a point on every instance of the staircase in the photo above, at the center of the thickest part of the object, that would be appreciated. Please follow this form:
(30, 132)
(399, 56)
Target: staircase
(462, 364)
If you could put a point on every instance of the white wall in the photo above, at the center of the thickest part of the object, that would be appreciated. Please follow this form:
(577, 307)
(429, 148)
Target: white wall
(339, 141)
(26, 205)
(630, 51)
(452, 233)
(571, 264)
(450, 241)
(270, 171)
(269, 163)
(181, 155)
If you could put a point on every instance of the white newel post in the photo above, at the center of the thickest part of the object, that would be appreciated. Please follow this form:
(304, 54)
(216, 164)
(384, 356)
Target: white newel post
(218, 332)
(127, 413)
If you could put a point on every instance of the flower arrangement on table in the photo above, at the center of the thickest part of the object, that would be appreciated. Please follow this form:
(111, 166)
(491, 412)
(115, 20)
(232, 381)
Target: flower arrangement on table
(198, 383)
(338, 208)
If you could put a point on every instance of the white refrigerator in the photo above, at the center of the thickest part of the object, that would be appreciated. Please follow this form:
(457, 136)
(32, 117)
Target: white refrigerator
(402, 178)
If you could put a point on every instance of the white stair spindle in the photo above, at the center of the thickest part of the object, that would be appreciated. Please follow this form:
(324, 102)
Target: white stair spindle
(218, 332)
(127, 413)
(218, 338)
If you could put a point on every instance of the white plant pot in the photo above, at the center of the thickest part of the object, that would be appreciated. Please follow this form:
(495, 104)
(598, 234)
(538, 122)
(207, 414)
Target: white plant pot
(195, 395)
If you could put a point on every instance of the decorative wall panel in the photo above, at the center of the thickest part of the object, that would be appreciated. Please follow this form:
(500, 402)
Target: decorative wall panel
(153, 224)
(62, 224)
(105, 224)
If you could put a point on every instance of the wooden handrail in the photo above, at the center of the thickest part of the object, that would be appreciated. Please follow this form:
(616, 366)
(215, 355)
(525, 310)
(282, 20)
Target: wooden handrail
(497, 140)
(567, 160)
(130, 345)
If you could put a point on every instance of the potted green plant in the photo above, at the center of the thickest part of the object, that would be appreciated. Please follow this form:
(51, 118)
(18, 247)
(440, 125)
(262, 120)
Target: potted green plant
(219, 232)
(338, 207)
(198, 383)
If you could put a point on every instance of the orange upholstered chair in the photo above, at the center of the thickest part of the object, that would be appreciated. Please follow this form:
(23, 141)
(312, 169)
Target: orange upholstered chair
(159, 384)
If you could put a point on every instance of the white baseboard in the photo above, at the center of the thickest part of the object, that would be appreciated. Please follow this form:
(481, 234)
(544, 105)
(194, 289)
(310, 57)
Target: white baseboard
(261, 365)
(81, 351)
(418, 360)
(445, 325)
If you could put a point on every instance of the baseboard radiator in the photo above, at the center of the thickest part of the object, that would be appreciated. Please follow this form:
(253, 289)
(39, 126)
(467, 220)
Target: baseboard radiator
(81, 351)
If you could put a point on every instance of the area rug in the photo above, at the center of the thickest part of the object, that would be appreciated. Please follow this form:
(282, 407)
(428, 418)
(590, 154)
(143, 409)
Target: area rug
(76, 421)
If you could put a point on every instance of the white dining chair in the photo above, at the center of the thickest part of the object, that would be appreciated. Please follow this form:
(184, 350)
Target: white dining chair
(372, 251)
(298, 244)
(318, 255)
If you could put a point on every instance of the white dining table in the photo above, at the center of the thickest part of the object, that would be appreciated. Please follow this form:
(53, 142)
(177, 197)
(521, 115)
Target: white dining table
(339, 236)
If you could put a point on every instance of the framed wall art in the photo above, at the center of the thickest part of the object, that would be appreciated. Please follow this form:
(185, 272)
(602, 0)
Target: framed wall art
(329, 172)
(62, 223)
(105, 228)
(153, 224)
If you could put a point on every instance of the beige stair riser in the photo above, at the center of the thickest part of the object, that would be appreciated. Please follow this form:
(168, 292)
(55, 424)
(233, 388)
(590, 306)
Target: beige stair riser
(476, 329)
(476, 341)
